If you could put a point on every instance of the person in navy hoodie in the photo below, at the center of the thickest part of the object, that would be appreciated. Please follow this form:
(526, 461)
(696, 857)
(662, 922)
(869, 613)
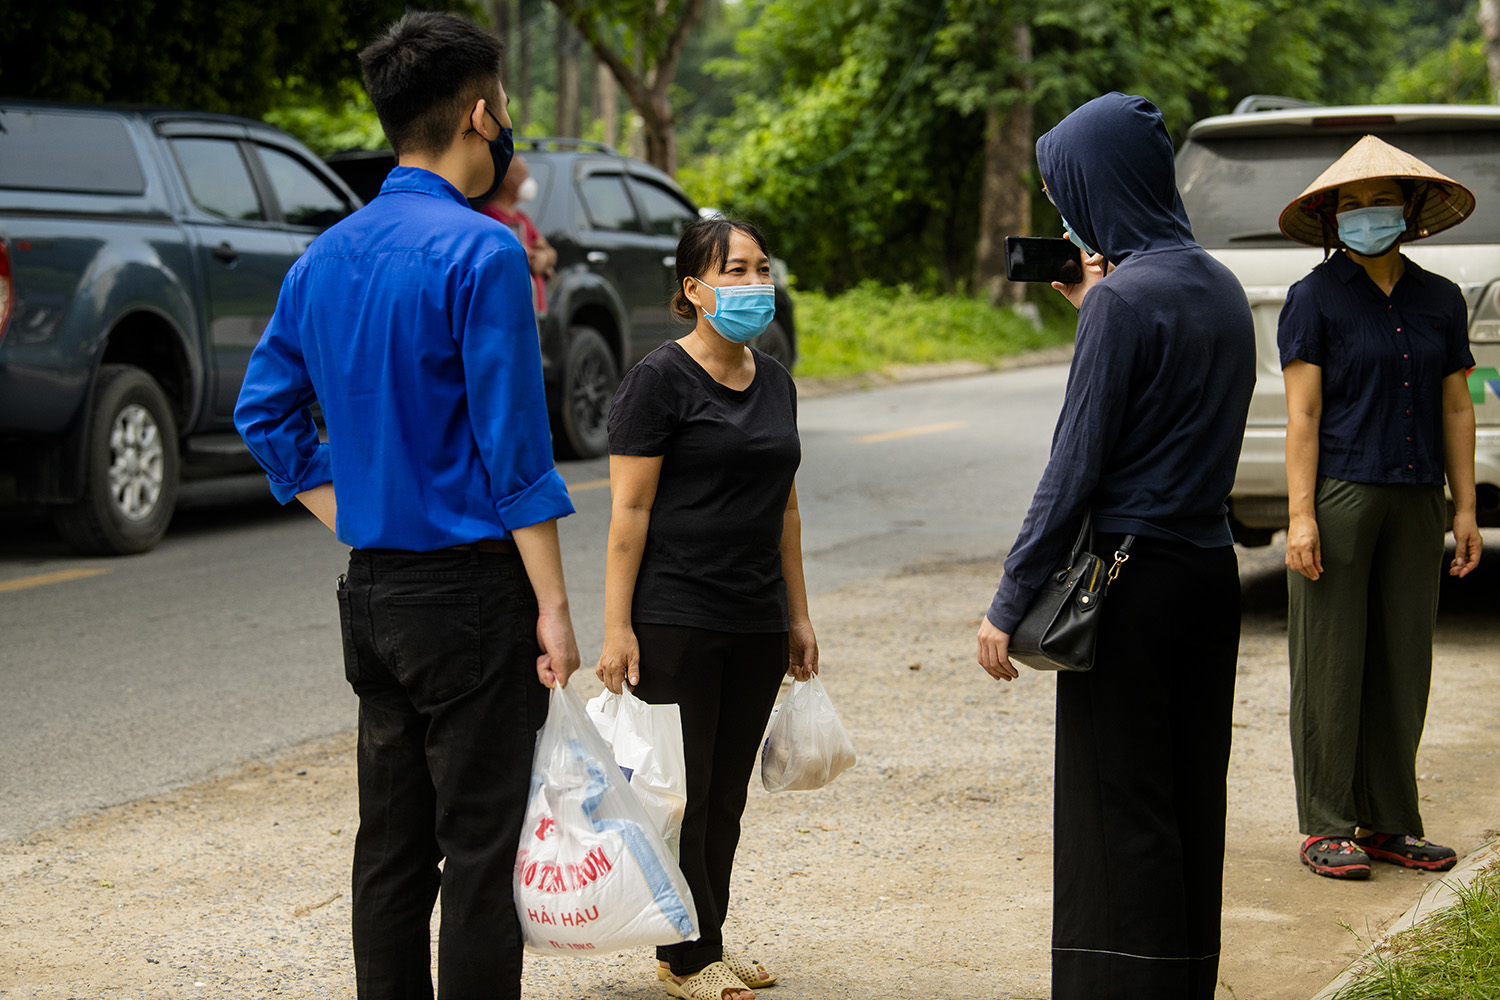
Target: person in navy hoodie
(1148, 439)
(410, 323)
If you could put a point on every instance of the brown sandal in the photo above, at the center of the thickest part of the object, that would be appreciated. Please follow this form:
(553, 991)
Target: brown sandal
(709, 983)
(749, 970)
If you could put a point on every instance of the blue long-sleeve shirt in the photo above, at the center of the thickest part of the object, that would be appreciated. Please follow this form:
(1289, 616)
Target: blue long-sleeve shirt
(1154, 412)
(410, 324)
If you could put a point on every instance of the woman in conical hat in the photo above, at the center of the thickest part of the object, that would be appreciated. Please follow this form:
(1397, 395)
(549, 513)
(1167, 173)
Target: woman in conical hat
(1374, 352)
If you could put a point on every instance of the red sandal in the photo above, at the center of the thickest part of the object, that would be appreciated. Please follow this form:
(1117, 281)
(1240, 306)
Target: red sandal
(1408, 851)
(1335, 857)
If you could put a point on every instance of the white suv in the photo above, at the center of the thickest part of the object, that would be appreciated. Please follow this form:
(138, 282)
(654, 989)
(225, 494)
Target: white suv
(1238, 171)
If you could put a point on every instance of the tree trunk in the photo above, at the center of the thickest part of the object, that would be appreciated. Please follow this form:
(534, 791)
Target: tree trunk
(500, 14)
(523, 67)
(568, 116)
(659, 126)
(1489, 24)
(1005, 197)
(609, 106)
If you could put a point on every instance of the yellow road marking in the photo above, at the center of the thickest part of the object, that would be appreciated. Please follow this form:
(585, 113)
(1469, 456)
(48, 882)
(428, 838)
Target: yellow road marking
(951, 425)
(42, 579)
(588, 484)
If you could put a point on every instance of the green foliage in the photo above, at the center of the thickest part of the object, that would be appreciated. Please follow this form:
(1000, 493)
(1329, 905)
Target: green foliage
(326, 126)
(1453, 954)
(873, 327)
(217, 55)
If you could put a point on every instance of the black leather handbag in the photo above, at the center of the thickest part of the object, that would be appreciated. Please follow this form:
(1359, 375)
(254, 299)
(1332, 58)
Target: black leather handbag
(1061, 628)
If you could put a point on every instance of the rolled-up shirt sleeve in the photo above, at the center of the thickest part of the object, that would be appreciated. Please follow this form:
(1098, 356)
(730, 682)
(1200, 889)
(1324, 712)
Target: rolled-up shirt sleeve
(507, 401)
(1094, 404)
(273, 413)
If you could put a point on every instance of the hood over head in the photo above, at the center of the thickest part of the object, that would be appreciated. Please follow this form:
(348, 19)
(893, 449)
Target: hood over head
(1108, 168)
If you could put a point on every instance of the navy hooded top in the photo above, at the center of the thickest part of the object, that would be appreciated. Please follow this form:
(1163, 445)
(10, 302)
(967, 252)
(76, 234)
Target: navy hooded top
(1154, 413)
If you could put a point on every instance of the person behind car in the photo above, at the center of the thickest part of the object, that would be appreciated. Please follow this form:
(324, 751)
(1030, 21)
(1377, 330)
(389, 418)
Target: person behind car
(704, 601)
(409, 323)
(1374, 351)
(505, 208)
(1149, 438)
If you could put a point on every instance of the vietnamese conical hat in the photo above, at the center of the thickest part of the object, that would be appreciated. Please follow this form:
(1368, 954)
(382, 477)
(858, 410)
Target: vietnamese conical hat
(1442, 201)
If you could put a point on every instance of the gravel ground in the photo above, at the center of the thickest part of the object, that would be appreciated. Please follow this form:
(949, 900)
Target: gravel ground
(923, 871)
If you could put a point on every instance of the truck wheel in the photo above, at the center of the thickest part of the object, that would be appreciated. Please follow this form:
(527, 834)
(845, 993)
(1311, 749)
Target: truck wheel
(130, 486)
(589, 379)
(776, 343)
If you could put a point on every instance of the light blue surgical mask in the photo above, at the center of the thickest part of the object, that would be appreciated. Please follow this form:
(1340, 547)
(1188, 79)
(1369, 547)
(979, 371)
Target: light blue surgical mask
(1088, 251)
(742, 312)
(1371, 231)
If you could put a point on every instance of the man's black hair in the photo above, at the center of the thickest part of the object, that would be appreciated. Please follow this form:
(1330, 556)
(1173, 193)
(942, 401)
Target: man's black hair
(424, 73)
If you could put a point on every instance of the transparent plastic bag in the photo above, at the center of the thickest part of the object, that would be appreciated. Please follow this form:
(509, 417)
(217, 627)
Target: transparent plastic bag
(647, 744)
(592, 874)
(807, 746)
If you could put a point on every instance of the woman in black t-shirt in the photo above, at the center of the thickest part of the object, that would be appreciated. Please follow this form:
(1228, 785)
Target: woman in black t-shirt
(705, 605)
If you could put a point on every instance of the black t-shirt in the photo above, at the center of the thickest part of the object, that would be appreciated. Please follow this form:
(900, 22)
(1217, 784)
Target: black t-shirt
(713, 550)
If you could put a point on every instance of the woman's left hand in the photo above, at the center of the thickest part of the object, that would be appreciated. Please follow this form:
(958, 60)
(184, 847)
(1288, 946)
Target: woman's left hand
(1466, 545)
(802, 662)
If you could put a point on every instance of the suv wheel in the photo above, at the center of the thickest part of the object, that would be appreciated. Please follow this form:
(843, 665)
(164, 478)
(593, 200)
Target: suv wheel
(130, 486)
(776, 343)
(589, 379)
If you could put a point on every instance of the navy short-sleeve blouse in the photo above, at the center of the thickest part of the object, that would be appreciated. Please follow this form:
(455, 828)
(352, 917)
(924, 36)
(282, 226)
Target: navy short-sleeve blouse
(1383, 361)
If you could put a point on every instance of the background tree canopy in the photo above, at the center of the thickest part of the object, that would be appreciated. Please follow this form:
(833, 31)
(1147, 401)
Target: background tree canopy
(874, 140)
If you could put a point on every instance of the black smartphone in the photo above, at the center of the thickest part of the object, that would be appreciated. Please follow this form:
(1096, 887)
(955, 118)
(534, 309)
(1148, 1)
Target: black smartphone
(1037, 258)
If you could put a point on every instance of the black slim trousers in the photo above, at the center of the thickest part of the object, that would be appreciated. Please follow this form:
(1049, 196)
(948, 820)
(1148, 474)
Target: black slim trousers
(441, 649)
(1142, 754)
(726, 684)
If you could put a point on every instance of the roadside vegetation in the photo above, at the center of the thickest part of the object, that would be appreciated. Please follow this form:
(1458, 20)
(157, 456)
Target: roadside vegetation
(873, 327)
(1454, 954)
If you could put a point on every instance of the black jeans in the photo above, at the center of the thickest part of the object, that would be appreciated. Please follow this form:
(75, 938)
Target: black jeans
(441, 649)
(1142, 754)
(725, 683)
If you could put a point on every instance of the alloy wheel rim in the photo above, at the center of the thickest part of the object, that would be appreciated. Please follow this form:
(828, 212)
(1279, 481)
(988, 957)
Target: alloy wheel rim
(137, 466)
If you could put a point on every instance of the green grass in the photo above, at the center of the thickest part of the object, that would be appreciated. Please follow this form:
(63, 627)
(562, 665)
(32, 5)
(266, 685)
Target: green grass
(1454, 954)
(873, 328)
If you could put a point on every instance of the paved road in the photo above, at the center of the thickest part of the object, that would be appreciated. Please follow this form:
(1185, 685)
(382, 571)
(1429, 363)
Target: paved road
(122, 677)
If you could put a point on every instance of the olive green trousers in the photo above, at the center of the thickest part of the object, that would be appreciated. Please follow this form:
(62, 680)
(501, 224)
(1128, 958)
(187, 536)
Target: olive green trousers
(1360, 643)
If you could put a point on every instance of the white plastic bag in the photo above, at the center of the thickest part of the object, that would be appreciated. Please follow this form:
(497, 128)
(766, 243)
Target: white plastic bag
(647, 744)
(592, 874)
(807, 746)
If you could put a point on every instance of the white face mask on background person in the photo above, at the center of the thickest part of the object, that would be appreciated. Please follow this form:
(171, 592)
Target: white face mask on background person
(528, 190)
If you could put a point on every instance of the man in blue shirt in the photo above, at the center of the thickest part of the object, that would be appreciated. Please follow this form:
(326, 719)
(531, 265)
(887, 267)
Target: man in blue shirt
(410, 324)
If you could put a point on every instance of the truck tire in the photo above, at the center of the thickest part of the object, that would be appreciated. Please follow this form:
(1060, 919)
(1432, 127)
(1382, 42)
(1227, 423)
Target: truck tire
(589, 379)
(776, 343)
(130, 484)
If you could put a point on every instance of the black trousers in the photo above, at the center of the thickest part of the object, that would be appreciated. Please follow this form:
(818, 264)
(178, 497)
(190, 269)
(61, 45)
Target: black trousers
(1142, 754)
(726, 684)
(441, 649)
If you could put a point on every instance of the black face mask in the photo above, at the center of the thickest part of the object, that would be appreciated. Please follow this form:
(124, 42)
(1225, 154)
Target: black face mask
(501, 150)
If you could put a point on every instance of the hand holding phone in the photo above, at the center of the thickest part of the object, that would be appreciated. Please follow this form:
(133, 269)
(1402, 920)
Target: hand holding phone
(1035, 258)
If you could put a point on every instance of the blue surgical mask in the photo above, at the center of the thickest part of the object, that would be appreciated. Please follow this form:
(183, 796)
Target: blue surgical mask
(742, 312)
(1372, 231)
(1088, 251)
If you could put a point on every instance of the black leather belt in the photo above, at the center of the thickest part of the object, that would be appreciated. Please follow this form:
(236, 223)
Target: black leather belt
(488, 545)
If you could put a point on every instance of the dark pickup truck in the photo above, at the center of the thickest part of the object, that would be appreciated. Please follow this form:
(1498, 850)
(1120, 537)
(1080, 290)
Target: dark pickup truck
(141, 252)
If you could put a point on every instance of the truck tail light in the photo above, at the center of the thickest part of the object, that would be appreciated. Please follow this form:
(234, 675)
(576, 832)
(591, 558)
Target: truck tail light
(1484, 318)
(7, 292)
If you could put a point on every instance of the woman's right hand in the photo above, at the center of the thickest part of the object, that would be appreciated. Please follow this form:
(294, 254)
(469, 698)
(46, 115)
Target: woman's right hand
(620, 662)
(1304, 551)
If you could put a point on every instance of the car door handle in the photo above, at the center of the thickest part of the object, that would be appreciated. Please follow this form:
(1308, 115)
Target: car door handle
(669, 261)
(597, 257)
(226, 253)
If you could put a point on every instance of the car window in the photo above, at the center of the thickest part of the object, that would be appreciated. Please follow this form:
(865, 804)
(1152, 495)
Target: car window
(305, 199)
(606, 203)
(55, 152)
(1235, 188)
(666, 213)
(218, 179)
